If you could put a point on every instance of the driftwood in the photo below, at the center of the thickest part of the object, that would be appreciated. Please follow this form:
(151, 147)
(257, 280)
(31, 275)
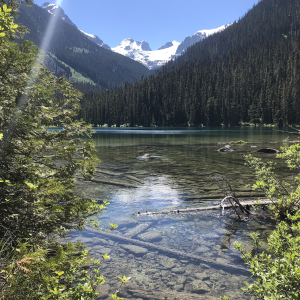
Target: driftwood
(212, 264)
(286, 124)
(214, 197)
(230, 195)
(215, 207)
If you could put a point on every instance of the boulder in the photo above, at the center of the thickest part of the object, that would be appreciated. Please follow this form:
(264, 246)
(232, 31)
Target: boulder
(226, 148)
(267, 150)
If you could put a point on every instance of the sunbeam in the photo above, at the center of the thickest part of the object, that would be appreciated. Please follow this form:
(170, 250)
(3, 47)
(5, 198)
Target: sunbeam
(22, 101)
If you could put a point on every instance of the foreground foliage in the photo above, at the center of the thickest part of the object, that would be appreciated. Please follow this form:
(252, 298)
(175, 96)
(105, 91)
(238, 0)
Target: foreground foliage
(277, 270)
(41, 274)
(38, 166)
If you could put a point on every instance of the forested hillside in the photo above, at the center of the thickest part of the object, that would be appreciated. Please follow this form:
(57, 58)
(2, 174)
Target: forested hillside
(250, 72)
(70, 46)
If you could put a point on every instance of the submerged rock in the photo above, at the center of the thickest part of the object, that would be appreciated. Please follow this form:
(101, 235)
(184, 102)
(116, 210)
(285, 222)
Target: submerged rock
(135, 249)
(197, 286)
(150, 236)
(267, 150)
(226, 148)
(147, 156)
(168, 263)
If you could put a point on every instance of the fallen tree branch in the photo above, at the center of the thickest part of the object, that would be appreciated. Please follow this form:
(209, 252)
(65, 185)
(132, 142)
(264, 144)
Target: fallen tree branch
(237, 202)
(215, 207)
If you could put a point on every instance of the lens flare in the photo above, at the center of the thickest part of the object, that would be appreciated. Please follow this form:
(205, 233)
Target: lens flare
(22, 101)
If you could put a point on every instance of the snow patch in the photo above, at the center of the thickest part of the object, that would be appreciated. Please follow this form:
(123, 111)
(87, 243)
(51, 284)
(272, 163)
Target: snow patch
(150, 59)
(90, 35)
(208, 32)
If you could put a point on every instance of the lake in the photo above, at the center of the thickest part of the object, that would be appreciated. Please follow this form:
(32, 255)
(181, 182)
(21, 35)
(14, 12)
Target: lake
(175, 256)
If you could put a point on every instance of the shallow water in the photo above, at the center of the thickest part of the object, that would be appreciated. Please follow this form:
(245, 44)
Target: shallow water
(174, 256)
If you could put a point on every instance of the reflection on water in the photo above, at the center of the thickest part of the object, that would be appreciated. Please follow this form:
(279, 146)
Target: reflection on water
(182, 136)
(173, 256)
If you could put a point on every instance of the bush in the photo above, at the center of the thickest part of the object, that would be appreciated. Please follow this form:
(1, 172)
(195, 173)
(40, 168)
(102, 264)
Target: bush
(277, 269)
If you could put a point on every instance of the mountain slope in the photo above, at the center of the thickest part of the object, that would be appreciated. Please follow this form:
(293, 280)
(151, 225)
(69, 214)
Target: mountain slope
(70, 46)
(250, 72)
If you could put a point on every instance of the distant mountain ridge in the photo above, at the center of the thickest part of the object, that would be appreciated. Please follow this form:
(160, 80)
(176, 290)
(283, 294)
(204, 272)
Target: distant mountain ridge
(197, 37)
(73, 51)
(153, 59)
(141, 51)
(59, 12)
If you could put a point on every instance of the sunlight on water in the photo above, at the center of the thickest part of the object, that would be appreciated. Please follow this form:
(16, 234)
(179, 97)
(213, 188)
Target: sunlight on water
(174, 256)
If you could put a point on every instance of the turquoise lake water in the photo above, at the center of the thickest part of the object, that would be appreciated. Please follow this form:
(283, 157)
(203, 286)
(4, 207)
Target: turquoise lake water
(175, 256)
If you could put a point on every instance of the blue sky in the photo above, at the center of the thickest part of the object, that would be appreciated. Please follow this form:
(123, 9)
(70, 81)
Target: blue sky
(156, 21)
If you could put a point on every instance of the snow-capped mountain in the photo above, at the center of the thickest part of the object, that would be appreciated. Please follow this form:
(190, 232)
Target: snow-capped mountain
(141, 52)
(95, 39)
(56, 10)
(59, 12)
(197, 37)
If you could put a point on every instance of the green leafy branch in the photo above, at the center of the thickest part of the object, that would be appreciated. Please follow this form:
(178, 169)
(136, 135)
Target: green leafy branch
(6, 21)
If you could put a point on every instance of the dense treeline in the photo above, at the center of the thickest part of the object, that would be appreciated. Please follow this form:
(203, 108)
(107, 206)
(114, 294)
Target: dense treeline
(250, 72)
(104, 67)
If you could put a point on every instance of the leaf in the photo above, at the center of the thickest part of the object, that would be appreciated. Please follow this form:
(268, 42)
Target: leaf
(105, 256)
(60, 273)
(124, 278)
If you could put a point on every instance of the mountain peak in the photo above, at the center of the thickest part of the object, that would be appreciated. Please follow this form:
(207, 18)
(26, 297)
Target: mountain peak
(57, 11)
(197, 37)
(132, 45)
(167, 45)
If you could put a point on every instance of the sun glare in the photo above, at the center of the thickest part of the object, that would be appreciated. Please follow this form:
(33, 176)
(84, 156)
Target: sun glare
(22, 101)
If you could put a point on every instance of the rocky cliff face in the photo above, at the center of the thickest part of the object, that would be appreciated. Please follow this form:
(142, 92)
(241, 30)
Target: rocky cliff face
(58, 12)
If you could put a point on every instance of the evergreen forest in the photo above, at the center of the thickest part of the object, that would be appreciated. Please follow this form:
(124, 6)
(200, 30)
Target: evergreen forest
(249, 73)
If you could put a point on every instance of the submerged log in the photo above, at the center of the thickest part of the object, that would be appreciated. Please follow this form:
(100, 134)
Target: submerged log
(108, 173)
(212, 264)
(215, 207)
(114, 183)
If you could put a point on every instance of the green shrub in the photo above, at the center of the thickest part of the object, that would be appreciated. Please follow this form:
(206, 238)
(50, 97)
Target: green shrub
(277, 269)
